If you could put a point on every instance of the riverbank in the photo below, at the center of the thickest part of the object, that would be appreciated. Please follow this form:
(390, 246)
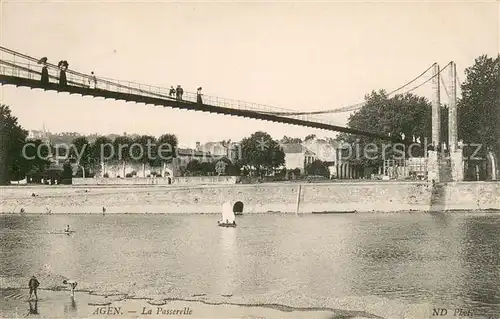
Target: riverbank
(260, 198)
(59, 304)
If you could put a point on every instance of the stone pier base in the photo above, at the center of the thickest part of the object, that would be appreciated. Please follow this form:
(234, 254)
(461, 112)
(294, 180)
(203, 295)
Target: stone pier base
(457, 166)
(433, 166)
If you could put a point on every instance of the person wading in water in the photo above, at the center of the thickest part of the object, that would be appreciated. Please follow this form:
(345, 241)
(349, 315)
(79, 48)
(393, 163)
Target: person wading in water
(72, 285)
(33, 284)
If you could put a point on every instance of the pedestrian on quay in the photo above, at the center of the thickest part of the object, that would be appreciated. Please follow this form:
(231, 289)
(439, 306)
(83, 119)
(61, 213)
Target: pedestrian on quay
(33, 285)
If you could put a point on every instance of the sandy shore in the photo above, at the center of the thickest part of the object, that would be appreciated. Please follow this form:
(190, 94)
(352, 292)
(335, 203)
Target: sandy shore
(59, 304)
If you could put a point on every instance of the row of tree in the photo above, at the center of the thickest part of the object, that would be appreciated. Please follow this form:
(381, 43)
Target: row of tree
(144, 149)
(260, 154)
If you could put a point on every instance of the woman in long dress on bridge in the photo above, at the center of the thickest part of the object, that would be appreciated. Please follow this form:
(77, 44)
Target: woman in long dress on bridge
(63, 66)
(45, 71)
(198, 96)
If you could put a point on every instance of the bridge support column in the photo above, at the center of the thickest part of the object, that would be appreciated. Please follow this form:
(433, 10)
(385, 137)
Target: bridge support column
(433, 163)
(456, 155)
(457, 165)
(433, 166)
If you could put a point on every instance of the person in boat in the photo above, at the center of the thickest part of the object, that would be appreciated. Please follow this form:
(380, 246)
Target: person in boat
(67, 229)
(72, 284)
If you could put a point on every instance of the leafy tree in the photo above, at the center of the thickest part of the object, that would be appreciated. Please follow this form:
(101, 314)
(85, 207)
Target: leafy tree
(81, 150)
(121, 148)
(197, 168)
(291, 140)
(207, 168)
(405, 115)
(147, 150)
(261, 152)
(12, 137)
(101, 151)
(479, 106)
(193, 167)
(170, 142)
(35, 157)
(309, 137)
(318, 168)
(67, 174)
(231, 169)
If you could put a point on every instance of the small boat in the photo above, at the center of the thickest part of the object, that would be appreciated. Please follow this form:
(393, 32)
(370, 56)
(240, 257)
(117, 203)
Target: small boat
(227, 216)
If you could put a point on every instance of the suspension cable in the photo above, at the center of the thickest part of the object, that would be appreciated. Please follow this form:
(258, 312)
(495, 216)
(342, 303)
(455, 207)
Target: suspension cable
(353, 106)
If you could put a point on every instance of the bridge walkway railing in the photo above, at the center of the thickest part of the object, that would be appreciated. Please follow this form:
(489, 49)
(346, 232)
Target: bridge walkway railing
(29, 68)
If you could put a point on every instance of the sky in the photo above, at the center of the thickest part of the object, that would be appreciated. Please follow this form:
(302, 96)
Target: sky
(300, 56)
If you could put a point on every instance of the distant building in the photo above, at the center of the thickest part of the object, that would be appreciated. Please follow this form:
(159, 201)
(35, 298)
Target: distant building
(297, 156)
(39, 135)
(330, 152)
(229, 149)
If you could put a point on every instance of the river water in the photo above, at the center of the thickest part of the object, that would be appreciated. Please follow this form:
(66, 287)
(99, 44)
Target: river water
(395, 262)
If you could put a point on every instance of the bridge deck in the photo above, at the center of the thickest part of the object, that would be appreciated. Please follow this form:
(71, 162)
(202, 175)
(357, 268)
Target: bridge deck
(179, 104)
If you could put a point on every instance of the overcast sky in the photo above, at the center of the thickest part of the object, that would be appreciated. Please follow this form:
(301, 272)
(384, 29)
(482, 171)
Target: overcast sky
(302, 56)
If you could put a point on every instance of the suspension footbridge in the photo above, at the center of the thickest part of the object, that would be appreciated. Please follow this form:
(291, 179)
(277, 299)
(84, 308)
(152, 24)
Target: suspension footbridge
(22, 70)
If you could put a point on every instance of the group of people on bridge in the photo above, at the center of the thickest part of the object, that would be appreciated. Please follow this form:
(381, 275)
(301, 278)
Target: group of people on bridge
(63, 65)
(179, 91)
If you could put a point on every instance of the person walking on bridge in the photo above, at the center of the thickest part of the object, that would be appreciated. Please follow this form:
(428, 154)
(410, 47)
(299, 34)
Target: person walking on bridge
(179, 92)
(45, 71)
(198, 96)
(93, 81)
(63, 66)
(172, 91)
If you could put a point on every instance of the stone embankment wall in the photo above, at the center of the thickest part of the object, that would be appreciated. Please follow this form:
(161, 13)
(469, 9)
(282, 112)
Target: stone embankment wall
(194, 180)
(260, 198)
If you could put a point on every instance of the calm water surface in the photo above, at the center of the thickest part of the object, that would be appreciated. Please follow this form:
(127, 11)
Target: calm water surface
(450, 260)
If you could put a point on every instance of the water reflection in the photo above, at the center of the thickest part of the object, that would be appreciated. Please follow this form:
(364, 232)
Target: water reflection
(33, 307)
(70, 306)
(228, 261)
